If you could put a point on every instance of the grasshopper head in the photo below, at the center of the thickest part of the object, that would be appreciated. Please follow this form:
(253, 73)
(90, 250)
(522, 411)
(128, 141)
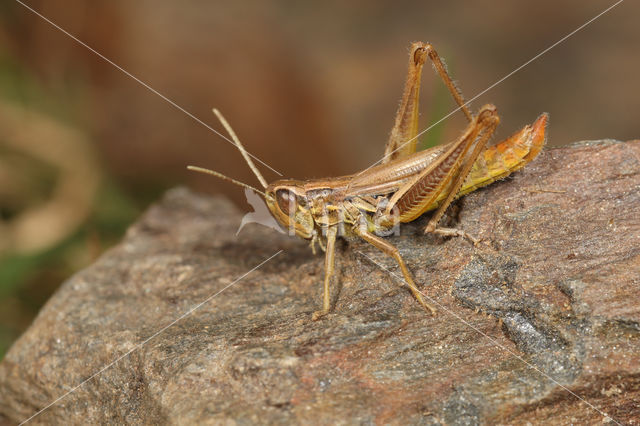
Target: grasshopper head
(288, 204)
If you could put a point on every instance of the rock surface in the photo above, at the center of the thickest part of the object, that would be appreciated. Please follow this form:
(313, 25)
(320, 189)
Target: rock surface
(542, 325)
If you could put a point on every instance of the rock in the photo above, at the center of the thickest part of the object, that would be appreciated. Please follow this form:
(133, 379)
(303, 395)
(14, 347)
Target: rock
(177, 325)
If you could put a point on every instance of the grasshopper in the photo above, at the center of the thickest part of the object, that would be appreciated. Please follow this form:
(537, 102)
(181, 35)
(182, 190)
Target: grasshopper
(404, 185)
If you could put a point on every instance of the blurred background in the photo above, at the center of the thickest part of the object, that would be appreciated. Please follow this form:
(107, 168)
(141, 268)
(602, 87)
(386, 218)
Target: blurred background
(310, 88)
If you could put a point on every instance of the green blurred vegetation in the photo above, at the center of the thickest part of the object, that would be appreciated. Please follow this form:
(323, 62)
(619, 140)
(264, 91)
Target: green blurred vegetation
(438, 106)
(27, 279)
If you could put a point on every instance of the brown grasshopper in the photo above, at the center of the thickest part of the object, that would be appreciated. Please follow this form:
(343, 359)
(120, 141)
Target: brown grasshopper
(404, 185)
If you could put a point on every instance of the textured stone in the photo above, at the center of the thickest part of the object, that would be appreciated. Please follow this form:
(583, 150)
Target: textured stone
(530, 326)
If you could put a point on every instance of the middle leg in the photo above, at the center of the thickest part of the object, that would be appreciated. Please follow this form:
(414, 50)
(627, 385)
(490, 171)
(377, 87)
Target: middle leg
(392, 251)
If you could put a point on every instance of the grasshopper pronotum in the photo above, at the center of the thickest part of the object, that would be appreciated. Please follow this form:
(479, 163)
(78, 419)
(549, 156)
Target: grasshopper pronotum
(404, 185)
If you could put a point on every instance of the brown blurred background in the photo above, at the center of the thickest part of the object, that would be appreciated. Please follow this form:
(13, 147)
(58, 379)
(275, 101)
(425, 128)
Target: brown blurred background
(310, 88)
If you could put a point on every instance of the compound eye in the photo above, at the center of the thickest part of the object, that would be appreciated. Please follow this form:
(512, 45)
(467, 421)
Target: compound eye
(286, 200)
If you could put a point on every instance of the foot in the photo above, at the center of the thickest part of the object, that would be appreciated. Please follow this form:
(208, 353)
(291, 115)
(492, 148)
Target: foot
(319, 314)
(453, 232)
(425, 305)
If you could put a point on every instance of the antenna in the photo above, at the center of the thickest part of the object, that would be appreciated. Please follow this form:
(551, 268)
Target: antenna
(227, 178)
(243, 151)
